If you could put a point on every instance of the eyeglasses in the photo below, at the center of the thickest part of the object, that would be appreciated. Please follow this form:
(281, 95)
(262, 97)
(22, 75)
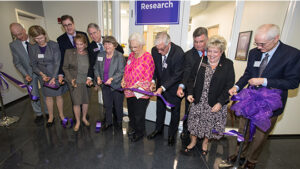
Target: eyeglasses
(68, 25)
(262, 44)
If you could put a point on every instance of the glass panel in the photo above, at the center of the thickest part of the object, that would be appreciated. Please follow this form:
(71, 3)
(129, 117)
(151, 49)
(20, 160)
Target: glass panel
(107, 18)
(124, 26)
(150, 31)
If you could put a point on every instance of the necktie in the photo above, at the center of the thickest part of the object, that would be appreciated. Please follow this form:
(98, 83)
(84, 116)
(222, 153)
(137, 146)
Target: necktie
(164, 62)
(263, 64)
(74, 44)
(100, 47)
(203, 53)
(27, 46)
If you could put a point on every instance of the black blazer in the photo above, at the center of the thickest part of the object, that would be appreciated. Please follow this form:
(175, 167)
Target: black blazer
(93, 52)
(170, 77)
(64, 44)
(282, 71)
(191, 57)
(222, 80)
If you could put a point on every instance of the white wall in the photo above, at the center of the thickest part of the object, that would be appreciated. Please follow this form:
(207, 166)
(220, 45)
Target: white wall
(216, 13)
(288, 122)
(82, 12)
(8, 15)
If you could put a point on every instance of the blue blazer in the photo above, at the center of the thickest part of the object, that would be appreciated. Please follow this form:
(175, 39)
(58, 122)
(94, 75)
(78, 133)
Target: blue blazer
(282, 71)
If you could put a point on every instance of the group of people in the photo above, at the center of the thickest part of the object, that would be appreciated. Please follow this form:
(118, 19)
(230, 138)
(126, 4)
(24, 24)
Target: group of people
(203, 75)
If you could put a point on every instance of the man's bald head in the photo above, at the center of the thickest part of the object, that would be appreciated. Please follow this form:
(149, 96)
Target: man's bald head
(18, 31)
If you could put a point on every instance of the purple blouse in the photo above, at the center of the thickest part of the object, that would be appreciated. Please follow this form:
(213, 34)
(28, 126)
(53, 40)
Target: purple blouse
(43, 49)
(106, 69)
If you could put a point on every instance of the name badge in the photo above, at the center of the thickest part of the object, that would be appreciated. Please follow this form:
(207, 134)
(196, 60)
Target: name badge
(256, 64)
(128, 62)
(96, 49)
(41, 56)
(100, 59)
(165, 65)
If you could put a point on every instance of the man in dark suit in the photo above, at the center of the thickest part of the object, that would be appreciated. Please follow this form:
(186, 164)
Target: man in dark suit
(66, 40)
(21, 60)
(272, 64)
(191, 57)
(168, 59)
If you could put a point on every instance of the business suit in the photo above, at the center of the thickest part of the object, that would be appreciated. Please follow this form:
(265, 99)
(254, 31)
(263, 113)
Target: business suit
(48, 64)
(80, 94)
(93, 50)
(111, 98)
(169, 78)
(64, 44)
(281, 72)
(21, 61)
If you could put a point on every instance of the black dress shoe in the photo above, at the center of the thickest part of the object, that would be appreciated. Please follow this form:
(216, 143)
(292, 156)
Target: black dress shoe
(38, 118)
(171, 141)
(249, 165)
(154, 134)
(106, 126)
(136, 138)
(130, 132)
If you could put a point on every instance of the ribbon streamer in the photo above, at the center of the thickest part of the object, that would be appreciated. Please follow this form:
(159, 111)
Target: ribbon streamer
(2, 80)
(20, 84)
(239, 136)
(52, 86)
(149, 94)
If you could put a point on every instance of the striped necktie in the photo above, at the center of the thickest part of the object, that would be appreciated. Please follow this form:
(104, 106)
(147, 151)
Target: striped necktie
(263, 64)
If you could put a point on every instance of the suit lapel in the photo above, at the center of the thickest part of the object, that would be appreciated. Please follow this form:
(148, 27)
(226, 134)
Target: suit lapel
(20, 45)
(69, 43)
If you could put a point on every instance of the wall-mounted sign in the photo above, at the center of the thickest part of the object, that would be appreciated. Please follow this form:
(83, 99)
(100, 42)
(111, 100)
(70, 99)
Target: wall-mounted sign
(157, 12)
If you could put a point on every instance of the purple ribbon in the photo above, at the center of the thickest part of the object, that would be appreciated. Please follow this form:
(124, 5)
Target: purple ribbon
(2, 80)
(98, 126)
(149, 94)
(257, 106)
(22, 85)
(53, 86)
(184, 117)
(65, 122)
(239, 136)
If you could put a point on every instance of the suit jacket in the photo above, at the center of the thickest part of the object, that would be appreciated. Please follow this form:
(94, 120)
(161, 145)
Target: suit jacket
(282, 71)
(70, 66)
(222, 80)
(93, 52)
(21, 59)
(64, 44)
(49, 65)
(116, 68)
(170, 77)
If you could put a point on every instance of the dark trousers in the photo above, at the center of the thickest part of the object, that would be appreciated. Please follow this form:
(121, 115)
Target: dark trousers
(252, 150)
(112, 99)
(137, 112)
(161, 114)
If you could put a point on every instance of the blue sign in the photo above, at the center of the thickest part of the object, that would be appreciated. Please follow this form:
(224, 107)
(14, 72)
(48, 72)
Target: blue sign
(157, 12)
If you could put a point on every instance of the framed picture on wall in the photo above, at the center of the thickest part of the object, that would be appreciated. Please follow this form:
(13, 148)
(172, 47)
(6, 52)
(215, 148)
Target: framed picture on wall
(243, 45)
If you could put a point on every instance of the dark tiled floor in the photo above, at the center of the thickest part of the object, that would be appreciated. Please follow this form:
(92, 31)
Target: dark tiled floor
(25, 145)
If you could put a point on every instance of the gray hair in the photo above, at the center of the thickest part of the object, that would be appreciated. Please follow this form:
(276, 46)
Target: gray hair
(217, 41)
(136, 37)
(162, 37)
(16, 24)
(270, 30)
(93, 25)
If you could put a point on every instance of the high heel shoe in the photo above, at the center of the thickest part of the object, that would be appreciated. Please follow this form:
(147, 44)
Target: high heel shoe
(86, 123)
(49, 124)
(76, 129)
(188, 151)
(204, 152)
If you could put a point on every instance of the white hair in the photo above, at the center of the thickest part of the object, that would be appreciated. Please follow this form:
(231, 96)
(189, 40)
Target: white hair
(162, 37)
(270, 30)
(136, 37)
